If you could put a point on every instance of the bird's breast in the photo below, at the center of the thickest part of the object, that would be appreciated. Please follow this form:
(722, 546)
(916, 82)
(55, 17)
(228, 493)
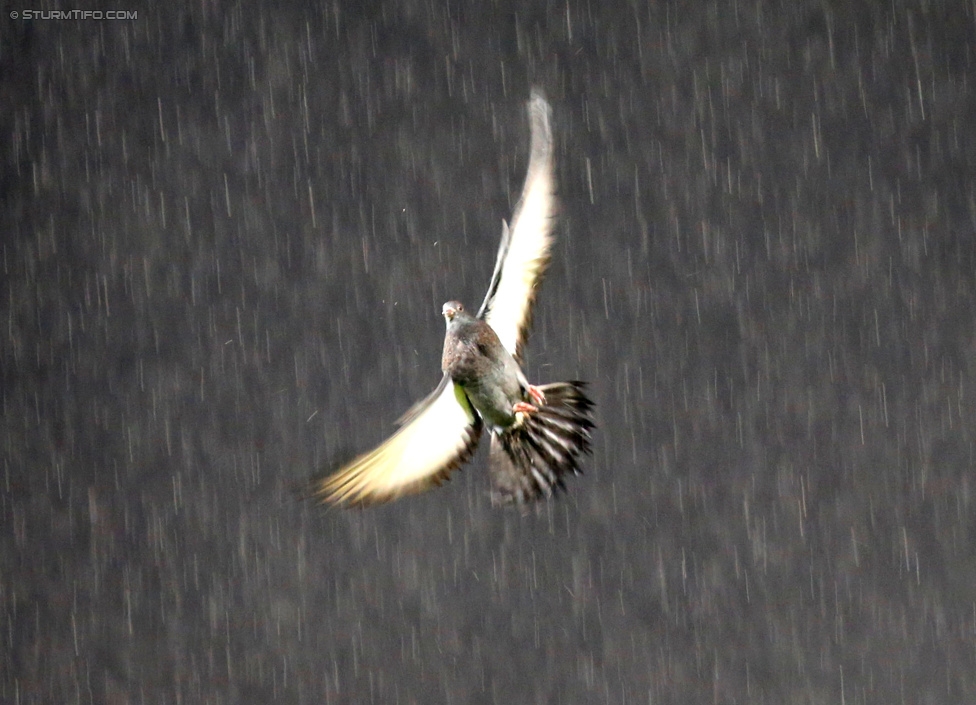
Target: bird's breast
(462, 360)
(487, 382)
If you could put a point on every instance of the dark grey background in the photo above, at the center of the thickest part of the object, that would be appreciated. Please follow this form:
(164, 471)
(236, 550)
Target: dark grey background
(227, 233)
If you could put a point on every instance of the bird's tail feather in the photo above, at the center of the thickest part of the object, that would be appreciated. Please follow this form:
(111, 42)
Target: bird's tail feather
(529, 460)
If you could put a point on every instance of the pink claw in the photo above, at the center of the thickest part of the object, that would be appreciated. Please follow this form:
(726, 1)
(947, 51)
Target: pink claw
(538, 396)
(523, 407)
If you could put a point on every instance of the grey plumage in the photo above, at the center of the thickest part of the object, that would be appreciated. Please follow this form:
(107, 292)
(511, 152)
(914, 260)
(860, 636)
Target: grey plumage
(531, 450)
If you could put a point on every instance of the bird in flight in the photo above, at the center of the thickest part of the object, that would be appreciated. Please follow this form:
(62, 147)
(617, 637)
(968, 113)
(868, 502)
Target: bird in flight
(538, 433)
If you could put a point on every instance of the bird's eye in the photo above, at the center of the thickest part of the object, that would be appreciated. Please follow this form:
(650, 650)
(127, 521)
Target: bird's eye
(460, 307)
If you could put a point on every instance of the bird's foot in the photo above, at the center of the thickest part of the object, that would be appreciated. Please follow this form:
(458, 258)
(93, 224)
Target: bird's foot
(538, 396)
(522, 407)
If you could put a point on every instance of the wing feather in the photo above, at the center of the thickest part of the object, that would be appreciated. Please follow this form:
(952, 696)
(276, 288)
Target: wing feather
(524, 251)
(438, 435)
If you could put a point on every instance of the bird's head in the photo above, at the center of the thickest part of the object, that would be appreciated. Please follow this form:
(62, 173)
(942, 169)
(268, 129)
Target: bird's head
(451, 309)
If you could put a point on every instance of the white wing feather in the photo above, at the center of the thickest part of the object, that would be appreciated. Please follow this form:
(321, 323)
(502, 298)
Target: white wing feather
(524, 252)
(438, 435)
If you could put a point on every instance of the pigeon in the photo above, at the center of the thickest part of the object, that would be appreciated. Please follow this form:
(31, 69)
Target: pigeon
(538, 433)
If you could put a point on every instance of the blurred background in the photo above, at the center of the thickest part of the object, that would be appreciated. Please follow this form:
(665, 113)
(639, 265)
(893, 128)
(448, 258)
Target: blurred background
(228, 229)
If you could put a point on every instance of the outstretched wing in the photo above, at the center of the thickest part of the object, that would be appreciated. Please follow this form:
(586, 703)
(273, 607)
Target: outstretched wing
(437, 436)
(524, 252)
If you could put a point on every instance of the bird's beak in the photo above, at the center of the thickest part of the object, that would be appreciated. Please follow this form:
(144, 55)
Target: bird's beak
(449, 312)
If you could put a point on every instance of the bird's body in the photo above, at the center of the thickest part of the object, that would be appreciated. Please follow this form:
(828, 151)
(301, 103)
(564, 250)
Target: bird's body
(537, 433)
(475, 360)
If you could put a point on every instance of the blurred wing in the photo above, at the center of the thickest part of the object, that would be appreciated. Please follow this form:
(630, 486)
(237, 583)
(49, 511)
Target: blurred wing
(524, 252)
(438, 435)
